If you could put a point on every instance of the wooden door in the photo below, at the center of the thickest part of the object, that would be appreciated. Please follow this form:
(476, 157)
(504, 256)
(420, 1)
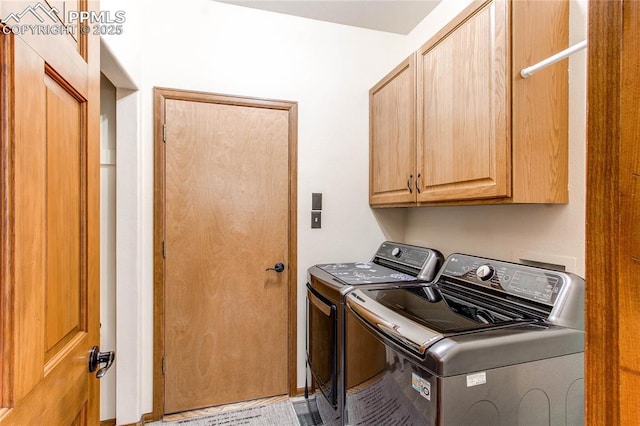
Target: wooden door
(226, 221)
(463, 138)
(50, 224)
(392, 136)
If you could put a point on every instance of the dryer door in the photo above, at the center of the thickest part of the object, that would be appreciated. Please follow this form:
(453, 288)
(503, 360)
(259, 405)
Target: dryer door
(322, 343)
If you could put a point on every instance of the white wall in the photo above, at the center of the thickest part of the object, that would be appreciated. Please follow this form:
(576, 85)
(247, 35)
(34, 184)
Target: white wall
(547, 233)
(327, 68)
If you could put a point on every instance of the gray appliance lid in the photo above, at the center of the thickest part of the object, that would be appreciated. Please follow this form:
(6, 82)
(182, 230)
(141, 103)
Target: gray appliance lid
(392, 263)
(358, 273)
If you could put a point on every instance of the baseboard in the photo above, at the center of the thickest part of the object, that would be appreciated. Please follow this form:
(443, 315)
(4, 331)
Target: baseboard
(145, 418)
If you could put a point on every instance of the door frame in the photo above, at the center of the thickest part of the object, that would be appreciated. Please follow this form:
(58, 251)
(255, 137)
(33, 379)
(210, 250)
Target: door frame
(160, 96)
(611, 377)
(127, 325)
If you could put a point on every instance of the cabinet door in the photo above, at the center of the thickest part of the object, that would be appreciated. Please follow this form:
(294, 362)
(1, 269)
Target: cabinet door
(392, 137)
(463, 98)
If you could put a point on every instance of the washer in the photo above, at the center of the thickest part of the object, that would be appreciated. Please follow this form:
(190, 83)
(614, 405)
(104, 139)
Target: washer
(487, 342)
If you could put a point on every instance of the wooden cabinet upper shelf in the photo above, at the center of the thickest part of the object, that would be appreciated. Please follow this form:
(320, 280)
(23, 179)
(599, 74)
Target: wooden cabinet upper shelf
(456, 124)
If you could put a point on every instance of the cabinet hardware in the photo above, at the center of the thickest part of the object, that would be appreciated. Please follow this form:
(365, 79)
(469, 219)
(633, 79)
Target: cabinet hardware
(409, 184)
(418, 183)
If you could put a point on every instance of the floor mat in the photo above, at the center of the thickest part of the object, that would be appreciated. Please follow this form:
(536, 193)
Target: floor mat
(281, 413)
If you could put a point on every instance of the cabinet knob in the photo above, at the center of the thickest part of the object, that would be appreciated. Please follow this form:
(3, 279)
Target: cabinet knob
(418, 183)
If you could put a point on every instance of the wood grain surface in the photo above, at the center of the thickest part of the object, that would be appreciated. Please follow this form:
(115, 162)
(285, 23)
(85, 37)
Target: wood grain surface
(227, 208)
(463, 138)
(629, 301)
(540, 103)
(612, 369)
(50, 266)
(30, 226)
(485, 135)
(64, 210)
(392, 136)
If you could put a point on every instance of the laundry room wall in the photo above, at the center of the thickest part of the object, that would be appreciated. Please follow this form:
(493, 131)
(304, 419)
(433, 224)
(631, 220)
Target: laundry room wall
(545, 233)
(327, 68)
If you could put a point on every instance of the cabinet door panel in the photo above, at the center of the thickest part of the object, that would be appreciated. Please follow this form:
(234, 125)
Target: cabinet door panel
(463, 138)
(392, 137)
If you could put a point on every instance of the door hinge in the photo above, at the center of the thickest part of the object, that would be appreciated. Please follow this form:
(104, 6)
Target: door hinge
(164, 250)
(164, 133)
(164, 365)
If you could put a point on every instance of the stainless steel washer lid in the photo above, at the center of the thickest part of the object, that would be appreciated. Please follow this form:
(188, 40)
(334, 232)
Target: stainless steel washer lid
(452, 344)
(384, 320)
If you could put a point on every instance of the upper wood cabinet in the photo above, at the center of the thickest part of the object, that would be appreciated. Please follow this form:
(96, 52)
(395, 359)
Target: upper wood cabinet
(392, 130)
(463, 140)
(484, 135)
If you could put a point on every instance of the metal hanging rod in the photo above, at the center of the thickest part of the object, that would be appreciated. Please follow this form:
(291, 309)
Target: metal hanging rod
(529, 71)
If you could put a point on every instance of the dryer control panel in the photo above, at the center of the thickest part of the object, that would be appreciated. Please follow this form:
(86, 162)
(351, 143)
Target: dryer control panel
(421, 262)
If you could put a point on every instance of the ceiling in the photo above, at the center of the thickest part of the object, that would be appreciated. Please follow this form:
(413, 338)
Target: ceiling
(391, 16)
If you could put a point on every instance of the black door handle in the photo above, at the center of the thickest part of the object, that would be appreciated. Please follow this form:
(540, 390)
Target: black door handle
(278, 267)
(96, 358)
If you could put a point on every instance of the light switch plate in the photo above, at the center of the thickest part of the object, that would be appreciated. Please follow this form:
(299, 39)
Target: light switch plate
(316, 201)
(316, 220)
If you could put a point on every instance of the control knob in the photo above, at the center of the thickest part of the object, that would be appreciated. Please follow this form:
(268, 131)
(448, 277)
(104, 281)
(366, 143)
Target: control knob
(396, 252)
(485, 272)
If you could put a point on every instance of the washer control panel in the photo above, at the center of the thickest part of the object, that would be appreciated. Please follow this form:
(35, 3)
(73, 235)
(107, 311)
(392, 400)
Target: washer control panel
(540, 285)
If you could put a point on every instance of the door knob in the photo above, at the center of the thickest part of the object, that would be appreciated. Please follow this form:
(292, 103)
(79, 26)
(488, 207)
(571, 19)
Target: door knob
(278, 267)
(96, 358)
